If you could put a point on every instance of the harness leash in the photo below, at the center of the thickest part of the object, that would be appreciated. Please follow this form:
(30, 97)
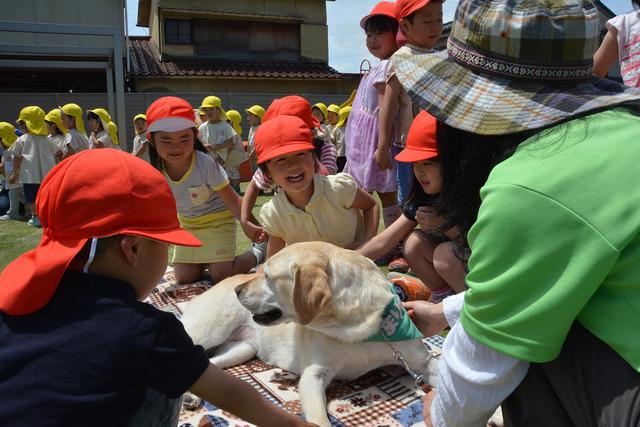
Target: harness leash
(418, 379)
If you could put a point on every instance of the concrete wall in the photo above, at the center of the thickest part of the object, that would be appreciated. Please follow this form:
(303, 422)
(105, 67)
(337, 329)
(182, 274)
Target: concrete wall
(82, 12)
(342, 86)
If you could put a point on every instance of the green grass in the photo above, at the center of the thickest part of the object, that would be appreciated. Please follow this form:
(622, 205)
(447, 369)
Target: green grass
(18, 237)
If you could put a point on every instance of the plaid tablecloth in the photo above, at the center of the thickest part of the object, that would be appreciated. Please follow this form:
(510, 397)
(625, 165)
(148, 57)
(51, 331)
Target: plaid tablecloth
(385, 397)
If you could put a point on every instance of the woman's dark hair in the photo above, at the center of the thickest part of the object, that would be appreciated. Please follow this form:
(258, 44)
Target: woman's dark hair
(465, 159)
(635, 4)
(155, 159)
(381, 24)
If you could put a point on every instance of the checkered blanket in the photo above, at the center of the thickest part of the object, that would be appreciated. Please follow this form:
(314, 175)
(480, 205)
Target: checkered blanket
(383, 397)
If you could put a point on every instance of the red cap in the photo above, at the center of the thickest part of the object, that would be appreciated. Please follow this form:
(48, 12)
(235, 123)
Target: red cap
(404, 8)
(292, 106)
(282, 135)
(385, 8)
(421, 140)
(95, 193)
(170, 114)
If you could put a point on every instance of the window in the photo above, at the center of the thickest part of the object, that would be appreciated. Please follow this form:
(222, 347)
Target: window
(246, 41)
(177, 31)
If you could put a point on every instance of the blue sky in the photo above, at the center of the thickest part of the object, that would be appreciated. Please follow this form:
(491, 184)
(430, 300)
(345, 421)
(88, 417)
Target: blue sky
(346, 39)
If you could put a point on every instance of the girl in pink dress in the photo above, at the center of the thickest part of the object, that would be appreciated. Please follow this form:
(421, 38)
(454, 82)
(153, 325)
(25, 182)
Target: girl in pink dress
(361, 135)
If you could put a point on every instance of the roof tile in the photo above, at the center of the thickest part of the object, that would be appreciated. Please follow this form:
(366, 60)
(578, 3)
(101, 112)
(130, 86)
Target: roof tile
(146, 62)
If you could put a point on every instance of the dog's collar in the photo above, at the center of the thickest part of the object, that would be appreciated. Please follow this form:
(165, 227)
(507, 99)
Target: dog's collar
(395, 324)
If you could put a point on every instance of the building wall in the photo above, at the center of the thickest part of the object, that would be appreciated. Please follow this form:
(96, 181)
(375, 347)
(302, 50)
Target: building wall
(79, 12)
(343, 86)
(310, 14)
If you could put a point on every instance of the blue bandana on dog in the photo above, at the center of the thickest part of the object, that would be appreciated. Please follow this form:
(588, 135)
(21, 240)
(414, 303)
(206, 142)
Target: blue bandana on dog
(395, 324)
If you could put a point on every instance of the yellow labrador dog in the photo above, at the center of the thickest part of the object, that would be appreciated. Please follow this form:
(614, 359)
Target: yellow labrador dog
(310, 312)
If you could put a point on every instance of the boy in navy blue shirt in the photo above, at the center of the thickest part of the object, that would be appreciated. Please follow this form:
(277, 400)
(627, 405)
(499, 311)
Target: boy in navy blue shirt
(77, 345)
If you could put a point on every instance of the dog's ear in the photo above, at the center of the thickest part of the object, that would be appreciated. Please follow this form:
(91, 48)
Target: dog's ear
(311, 292)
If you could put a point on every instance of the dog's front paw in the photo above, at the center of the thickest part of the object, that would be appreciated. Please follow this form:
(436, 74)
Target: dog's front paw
(190, 401)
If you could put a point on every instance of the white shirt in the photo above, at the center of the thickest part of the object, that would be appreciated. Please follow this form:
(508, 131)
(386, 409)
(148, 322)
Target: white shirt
(76, 140)
(37, 157)
(474, 378)
(216, 134)
(138, 142)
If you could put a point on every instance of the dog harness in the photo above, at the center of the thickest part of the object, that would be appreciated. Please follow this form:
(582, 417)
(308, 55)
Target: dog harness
(395, 324)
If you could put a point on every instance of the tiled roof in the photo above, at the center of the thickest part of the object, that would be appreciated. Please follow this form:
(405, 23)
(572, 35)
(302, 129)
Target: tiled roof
(146, 62)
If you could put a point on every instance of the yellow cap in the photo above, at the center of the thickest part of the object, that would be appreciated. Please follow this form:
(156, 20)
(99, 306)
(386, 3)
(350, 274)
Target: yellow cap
(7, 134)
(140, 116)
(74, 111)
(112, 130)
(322, 108)
(54, 116)
(257, 110)
(344, 115)
(211, 102)
(235, 118)
(349, 102)
(33, 117)
(105, 118)
(334, 108)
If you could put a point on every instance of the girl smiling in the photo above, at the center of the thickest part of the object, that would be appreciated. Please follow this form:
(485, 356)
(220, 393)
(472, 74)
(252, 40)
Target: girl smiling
(309, 206)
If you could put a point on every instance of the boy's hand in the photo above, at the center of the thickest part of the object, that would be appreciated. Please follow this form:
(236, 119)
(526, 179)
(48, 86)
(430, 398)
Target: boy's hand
(382, 159)
(13, 178)
(428, 318)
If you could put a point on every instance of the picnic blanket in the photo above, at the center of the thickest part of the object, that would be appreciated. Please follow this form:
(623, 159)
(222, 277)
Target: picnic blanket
(383, 397)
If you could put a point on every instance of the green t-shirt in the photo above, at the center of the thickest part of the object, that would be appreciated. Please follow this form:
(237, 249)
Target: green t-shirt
(557, 240)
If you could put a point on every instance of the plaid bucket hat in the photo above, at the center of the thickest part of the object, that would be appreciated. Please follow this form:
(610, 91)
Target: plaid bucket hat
(512, 66)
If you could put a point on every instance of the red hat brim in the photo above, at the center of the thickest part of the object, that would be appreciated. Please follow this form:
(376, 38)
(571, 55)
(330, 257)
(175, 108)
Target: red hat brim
(410, 154)
(290, 147)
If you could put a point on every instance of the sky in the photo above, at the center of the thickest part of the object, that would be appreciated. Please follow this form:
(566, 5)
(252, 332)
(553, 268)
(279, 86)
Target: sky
(346, 39)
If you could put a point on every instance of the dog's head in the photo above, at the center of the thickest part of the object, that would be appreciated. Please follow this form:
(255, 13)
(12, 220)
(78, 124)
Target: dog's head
(320, 286)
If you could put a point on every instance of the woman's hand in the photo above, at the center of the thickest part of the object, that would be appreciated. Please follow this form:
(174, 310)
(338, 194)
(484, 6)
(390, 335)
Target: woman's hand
(428, 318)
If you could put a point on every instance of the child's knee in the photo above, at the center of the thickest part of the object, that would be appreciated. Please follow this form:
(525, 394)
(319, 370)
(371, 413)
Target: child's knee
(444, 258)
(411, 245)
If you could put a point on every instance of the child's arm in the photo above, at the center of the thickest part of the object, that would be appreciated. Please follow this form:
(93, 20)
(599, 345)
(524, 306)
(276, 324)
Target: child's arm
(15, 176)
(249, 223)
(370, 212)
(274, 245)
(430, 220)
(607, 53)
(239, 398)
(140, 151)
(69, 151)
(389, 106)
(231, 200)
(224, 146)
(390, 236)
(95, 141)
